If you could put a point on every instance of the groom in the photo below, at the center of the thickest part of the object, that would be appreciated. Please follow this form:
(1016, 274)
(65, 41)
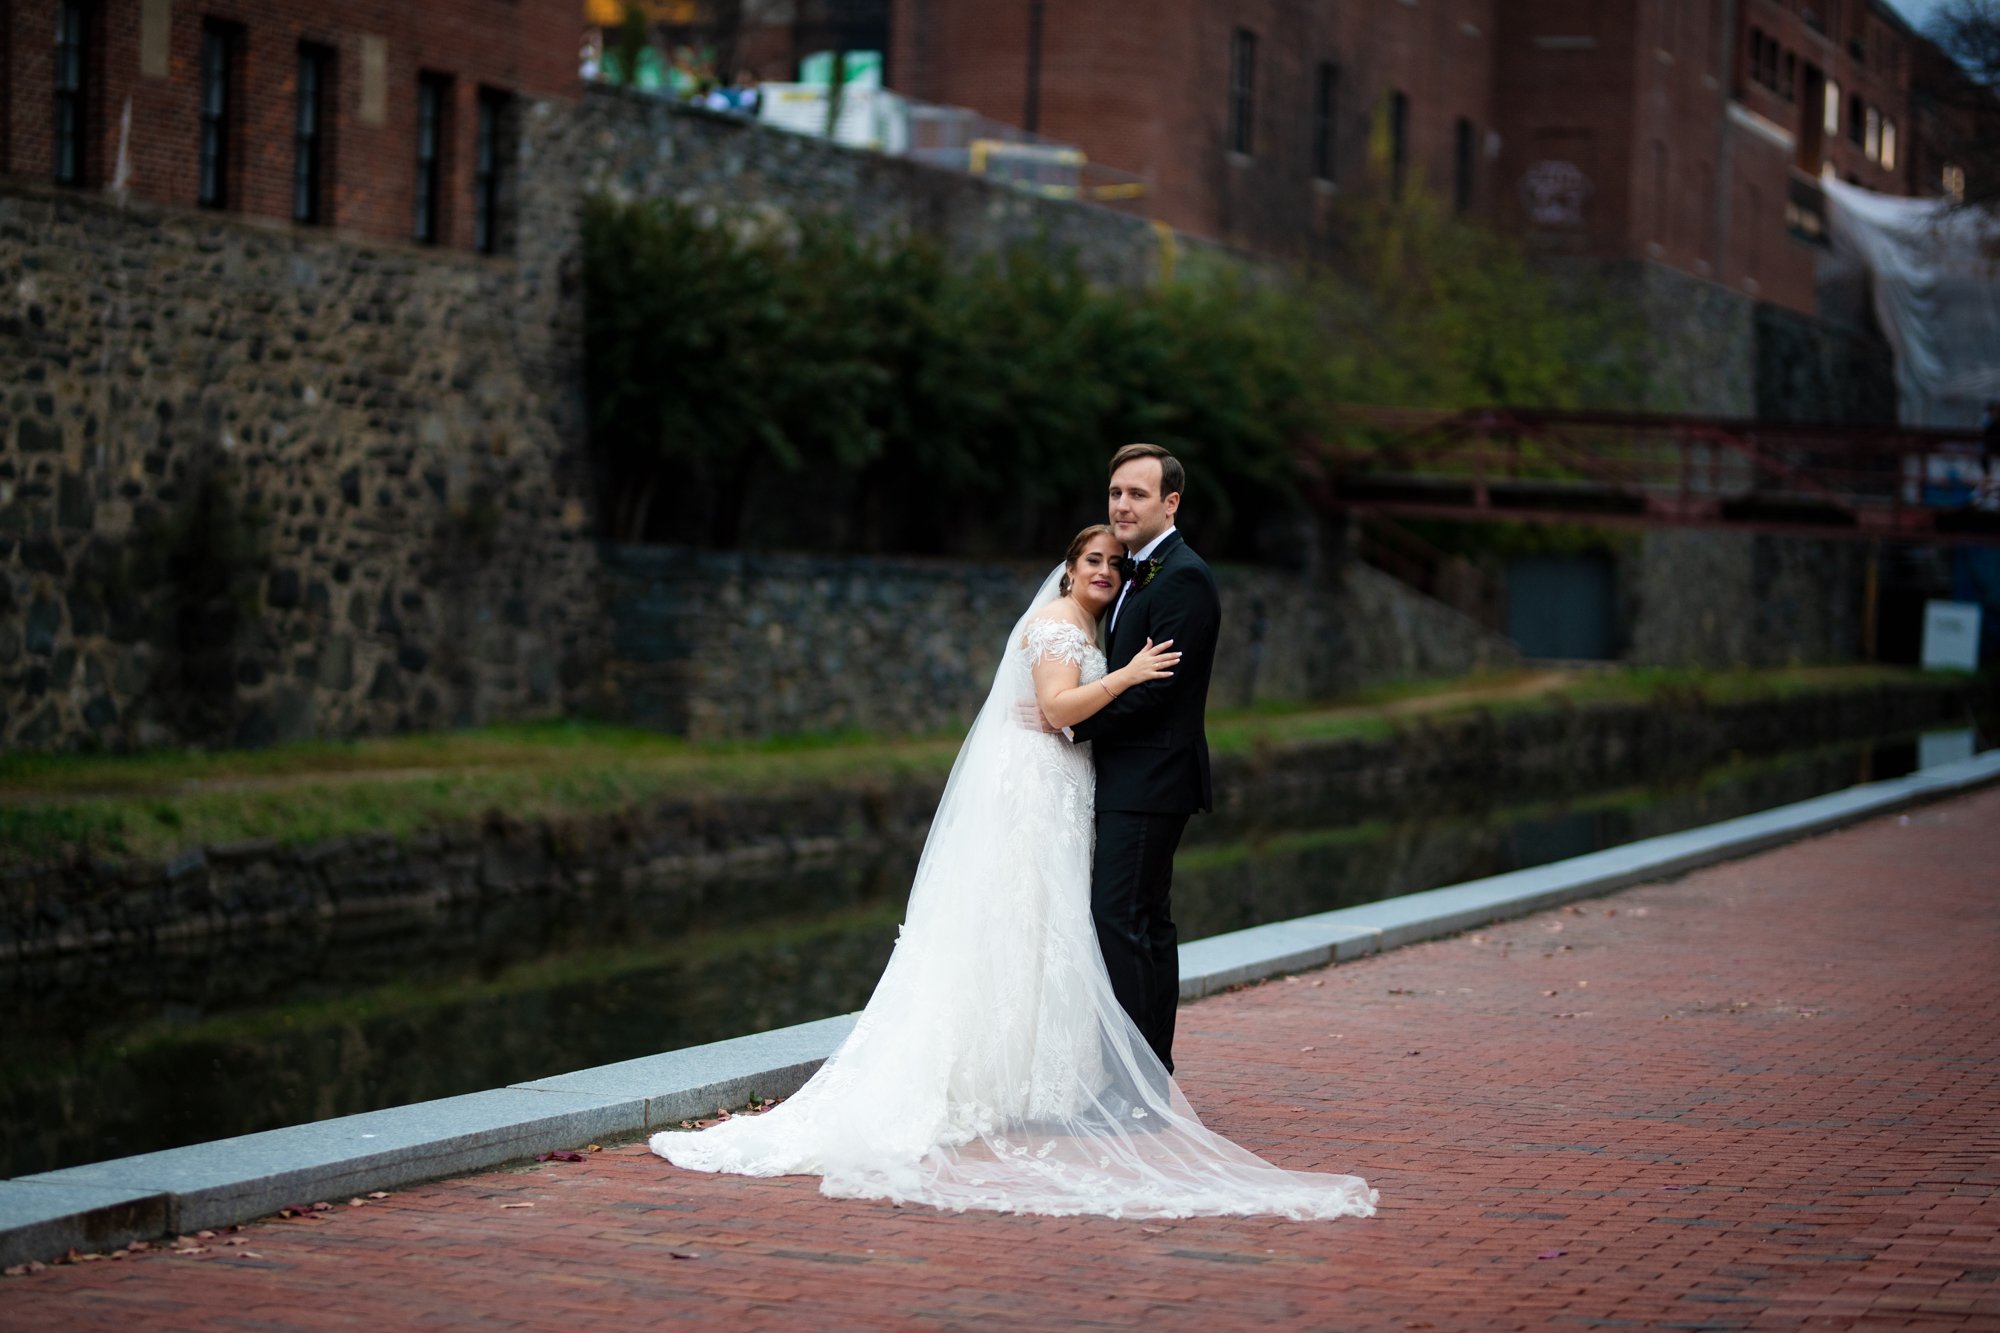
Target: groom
(1148, 745)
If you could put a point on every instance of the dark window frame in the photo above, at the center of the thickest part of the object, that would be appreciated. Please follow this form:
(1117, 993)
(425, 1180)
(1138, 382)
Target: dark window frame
(488, 170)
(1242, 91)
(1464, 166)
(221, 63)
(433, 136)
(1857, 116)
(1399, 140)
(1326, 122)
(69, 156)
(310, 139)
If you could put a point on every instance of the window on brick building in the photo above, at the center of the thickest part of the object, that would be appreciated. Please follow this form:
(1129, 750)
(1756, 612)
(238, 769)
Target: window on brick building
(1326, 111)
(433, 101)
(1756, 55)
(1242, 90)
(1753, 257)
(1951, 180)
(72, 43)
(1857, 113)
(1399, 139)
(1871, 142)
(1660, 200)
(1462, 164)
(1832, 111)
(1788, 78)
(1888, 144)
(309, 160)
(488, 170)
(218, 77)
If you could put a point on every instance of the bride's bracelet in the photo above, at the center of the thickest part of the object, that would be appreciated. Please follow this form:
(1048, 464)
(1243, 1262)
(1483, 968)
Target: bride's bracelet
(1106, 688)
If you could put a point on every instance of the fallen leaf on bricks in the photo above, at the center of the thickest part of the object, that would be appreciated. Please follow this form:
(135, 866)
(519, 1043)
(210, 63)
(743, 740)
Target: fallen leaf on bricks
(517, 1205)
(682, 1254)
(559, 1157)
(378, 1194)
(1552, 1254)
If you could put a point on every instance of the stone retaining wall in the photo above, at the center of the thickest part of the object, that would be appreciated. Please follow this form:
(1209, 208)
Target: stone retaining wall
(723, 644)
(262, 483)
(1720, 599)
(675, 853)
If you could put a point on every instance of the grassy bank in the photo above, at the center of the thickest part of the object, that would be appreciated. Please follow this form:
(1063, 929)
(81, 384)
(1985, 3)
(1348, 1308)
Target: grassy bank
(156, 804)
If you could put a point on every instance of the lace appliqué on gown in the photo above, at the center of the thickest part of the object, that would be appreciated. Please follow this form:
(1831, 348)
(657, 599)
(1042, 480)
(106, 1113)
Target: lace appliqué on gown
(992, 1068)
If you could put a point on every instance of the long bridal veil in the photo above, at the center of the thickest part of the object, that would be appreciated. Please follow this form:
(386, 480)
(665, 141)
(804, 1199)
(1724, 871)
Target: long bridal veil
(992, 1068)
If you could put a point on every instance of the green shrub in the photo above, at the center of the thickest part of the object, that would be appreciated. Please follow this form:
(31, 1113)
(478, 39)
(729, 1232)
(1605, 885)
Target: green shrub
(798, 385)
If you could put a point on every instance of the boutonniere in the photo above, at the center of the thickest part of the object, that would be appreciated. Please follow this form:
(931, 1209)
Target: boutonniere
(1139, 572)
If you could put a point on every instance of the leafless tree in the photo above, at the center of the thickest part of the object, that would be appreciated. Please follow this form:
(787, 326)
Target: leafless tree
(1957, 100)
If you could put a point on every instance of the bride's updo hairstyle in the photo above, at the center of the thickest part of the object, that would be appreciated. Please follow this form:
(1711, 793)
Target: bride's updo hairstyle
(1075, 552)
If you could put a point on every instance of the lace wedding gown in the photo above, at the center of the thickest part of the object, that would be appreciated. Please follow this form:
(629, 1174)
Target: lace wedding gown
(992, 1068)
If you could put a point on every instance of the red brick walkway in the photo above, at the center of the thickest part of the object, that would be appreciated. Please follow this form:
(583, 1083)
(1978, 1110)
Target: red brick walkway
(1764, 1096)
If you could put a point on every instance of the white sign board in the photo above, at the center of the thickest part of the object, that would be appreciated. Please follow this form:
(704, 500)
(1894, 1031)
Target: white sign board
(1951, 636)
(1945, 747)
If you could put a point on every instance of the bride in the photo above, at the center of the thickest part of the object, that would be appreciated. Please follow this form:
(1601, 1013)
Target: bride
(992, 1067)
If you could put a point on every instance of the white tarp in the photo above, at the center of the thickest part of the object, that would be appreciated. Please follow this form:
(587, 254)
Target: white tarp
(1936, 295)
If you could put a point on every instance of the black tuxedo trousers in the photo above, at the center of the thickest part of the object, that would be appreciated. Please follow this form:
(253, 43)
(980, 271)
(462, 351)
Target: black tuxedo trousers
(1130, 881)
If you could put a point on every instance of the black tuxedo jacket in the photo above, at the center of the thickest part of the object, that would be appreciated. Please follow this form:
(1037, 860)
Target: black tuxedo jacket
(1148, 744)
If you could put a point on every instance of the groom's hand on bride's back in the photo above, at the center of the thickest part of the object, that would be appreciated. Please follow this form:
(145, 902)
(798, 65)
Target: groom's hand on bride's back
(1028, 716)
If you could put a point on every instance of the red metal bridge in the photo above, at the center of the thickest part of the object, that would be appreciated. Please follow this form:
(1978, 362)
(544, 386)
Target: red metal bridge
(1895, 483)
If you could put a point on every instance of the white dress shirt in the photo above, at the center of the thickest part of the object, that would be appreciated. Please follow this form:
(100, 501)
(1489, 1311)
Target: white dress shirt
(1143, 553)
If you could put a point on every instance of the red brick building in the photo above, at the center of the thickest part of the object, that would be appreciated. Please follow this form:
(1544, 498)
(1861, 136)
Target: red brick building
(379, 117)
(1687, 132)
(1247, 116)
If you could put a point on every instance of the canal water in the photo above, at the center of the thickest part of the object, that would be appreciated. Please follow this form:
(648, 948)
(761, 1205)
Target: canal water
(118, 1054)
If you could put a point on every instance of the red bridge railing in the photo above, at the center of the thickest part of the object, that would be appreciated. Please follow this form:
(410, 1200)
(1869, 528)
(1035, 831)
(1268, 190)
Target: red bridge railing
(1626, 468)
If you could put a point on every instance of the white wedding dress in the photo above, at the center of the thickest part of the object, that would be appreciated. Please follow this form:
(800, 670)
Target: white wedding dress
(992, 1068)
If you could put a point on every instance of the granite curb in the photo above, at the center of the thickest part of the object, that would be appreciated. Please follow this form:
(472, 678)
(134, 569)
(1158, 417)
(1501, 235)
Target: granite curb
(107, 1204)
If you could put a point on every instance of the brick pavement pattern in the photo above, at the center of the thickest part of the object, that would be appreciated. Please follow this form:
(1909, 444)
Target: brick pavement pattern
(1764, 1096)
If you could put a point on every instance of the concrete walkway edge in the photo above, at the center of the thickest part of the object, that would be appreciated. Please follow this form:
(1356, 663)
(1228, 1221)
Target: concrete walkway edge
(208, 1185)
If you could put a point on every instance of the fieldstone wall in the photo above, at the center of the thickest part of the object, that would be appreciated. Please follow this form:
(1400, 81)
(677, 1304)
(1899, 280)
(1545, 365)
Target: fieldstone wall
(1712, 599)
(1701, 337)
(630, 146)
(1815, 370)
(722, 644)
(261, 483)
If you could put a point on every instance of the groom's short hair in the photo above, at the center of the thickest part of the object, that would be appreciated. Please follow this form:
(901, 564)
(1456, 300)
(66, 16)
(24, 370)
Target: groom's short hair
(1173, 478)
